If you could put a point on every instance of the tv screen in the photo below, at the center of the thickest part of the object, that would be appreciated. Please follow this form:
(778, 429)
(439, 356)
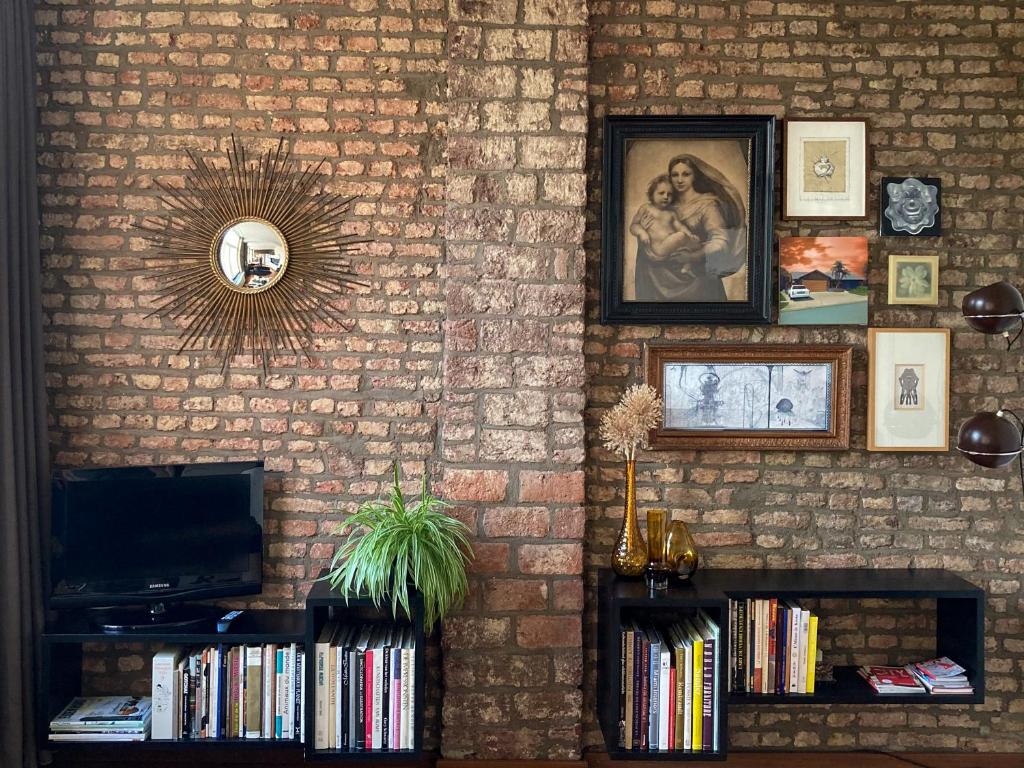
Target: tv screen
(149, 534)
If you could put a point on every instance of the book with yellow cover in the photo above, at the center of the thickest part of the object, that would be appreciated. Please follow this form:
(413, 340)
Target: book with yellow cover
(698, 688)
(812, 652)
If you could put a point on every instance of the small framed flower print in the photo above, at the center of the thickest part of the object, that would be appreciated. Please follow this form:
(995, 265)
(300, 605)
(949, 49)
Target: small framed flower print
(913, 280)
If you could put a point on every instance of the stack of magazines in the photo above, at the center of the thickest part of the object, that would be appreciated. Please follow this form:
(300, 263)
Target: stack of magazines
(103, 718)
(888, 681)
(942, 675)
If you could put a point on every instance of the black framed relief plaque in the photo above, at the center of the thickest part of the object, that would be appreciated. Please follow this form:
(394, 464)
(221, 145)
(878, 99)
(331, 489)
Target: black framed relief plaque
(687, 220)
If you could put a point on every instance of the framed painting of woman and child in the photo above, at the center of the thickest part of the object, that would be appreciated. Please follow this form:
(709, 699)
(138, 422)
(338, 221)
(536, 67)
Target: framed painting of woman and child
(687, 212)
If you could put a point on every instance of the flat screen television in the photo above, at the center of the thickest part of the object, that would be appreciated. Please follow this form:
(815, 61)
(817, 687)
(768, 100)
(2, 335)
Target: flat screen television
(155, 536)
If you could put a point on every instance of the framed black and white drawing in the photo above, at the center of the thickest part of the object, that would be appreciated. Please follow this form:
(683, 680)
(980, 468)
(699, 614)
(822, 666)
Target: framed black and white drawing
(687, 219)
(911, 207)
(908, 389)
(770, 397)
(825, 169)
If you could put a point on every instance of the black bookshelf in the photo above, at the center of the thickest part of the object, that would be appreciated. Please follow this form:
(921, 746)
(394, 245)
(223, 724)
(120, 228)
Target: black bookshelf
(960, 622)
(60, 680)
(322, 605)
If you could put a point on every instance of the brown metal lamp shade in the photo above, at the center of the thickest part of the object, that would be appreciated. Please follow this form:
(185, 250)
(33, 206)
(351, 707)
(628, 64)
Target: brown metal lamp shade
(995, 308)
(989, 439)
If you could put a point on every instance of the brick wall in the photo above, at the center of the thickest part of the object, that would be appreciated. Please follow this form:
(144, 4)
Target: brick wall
(463, 127)
(939, 83)
(512, 433)
(125, 88)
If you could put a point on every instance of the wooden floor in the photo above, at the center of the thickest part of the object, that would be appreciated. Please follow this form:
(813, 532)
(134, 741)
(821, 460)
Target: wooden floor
(198, 758)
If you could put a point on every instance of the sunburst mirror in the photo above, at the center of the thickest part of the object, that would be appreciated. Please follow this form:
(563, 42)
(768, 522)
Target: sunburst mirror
(249, 257)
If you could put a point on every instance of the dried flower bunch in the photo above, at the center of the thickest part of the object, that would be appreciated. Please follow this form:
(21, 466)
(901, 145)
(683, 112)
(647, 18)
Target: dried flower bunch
(626, 425)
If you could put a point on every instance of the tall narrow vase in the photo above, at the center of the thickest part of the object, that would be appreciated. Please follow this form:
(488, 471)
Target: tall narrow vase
(629, 558)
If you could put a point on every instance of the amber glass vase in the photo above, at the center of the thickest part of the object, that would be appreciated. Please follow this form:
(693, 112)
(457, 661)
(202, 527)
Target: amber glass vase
(629, 558)
(681, 550)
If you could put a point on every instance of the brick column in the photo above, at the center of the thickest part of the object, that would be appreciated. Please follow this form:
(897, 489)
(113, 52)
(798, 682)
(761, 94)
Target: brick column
(512, 429)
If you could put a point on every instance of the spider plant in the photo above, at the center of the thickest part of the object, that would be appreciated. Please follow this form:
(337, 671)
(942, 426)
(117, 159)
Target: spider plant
(394, 542)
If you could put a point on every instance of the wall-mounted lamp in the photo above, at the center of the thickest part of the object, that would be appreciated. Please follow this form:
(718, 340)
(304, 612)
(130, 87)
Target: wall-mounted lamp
(991, 439)
(994, 309)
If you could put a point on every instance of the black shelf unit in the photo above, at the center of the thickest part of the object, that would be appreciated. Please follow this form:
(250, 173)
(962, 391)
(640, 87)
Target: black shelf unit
(321, 606)
(60, 677)
(960, 626)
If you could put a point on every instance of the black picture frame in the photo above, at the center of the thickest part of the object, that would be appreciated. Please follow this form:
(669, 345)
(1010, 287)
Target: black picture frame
(888, 228)
(756, 309)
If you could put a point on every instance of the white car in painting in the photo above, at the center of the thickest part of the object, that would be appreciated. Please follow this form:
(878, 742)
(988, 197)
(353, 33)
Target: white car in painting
(798, 291)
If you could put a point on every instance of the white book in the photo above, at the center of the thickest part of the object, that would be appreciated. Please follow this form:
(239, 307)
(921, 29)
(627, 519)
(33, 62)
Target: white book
(321, 693)
(287, 723)
(665, 695)
(805, 628)
(411, 708)
(165, 713)
(293, 682)
(215, 662)
(403, 735)
(793, 663)
(268, 690)
(378, 682)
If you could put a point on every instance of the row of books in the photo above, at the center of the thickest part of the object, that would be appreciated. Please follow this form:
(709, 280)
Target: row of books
(935, 676)
(773, 647)
(365, 695)
(103, 718)
(229, 692)
(668, 686)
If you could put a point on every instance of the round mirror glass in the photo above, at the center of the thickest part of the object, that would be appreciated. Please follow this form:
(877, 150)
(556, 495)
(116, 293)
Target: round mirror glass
(251, 255)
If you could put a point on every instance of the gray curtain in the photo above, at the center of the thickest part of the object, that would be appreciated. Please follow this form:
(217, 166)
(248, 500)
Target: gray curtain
(23, 447)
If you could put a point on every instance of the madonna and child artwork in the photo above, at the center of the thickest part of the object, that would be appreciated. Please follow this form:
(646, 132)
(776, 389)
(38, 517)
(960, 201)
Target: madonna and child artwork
(686, 220)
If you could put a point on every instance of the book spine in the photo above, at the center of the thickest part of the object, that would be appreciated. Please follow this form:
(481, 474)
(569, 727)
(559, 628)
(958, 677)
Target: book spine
(371, 660)
(688, 697)
(194, 692)
(654, 670)
(627, 697)
(664, 697)
(793, 663)
(332, 697)
(801, 675)
(741, 644)
(396, 696)
(670, 739)
(253, 692)
(412, 696)
(320, 698)
(300, 694)
(622, 689)
(164, 669)
(346, 734)
(698, 695)
(758, 605)
(708, 696)
(378, 696)
(637, 686)
(360, 686)
(679, 671)
(812, 652)
(645, 696)
(385, 697)
(406, 687)
(773, 639)
(733, 644)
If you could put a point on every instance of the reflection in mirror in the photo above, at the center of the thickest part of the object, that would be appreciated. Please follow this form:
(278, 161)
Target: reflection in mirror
(252, 254)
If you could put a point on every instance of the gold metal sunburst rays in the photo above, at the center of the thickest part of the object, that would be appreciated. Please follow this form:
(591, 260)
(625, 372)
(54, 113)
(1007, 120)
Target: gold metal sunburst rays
(248, 256)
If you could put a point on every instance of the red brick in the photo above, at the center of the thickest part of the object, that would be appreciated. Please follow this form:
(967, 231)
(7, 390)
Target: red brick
(560, 487)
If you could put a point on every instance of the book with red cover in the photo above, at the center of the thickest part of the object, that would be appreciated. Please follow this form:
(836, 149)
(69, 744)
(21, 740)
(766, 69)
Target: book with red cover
(645, 693)
(773, 631)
